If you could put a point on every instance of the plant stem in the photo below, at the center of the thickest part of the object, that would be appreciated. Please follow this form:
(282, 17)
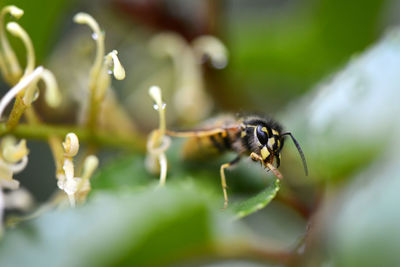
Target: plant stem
(31, 116)
(57, 151)
(253, 251)
(94, 107)
(16, 112)
(95, 138)
(234, 249)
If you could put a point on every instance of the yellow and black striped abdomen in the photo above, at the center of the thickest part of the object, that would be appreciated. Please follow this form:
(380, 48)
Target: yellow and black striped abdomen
(203, 147)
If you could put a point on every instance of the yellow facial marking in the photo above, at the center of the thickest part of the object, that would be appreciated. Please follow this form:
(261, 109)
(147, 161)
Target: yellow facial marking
(274, 132)
(264, 152)
(271, 142)
(264, 129)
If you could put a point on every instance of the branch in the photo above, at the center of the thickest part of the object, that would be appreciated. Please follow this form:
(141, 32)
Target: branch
(101, 138)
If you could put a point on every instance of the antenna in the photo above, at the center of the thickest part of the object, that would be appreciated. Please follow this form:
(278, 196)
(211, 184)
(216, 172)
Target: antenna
(303, 158)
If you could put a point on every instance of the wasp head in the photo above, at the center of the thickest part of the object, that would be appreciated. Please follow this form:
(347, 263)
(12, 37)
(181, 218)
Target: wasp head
(269, 142)
(265, 138)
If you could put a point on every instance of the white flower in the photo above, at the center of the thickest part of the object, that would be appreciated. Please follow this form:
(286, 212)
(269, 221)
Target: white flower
(13, 159)
(158, 142)
(72, 185)
(190, 99)
(28, 83)
(9, 65)
(103, 64)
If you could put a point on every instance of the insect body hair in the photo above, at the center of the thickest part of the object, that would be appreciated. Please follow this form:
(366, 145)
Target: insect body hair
(249, 141)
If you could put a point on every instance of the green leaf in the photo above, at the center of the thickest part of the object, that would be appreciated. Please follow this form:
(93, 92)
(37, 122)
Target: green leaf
(137, 228)
(348, 121)
(364, 230)
(124, 172)
(257, 202)
(130, 173)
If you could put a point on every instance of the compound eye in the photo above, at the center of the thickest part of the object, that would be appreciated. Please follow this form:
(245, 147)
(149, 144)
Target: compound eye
(262, 135)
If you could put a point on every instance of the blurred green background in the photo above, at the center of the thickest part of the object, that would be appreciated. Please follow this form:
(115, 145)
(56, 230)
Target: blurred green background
(328, 70)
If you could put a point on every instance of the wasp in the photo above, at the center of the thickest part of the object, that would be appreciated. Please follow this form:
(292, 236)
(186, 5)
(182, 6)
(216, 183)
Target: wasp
(260, 138)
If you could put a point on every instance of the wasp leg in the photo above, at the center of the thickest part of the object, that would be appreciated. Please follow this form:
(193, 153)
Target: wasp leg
(257, 157)
(223, 180)
(277, 173)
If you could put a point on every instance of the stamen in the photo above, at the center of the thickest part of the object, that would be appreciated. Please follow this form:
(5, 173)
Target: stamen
(13, 10)
(52, 95)
(212, 47)
(6, 179)
(67, 180)
(84, 18)
(13, 159)
(89, 166)
(155, 93)
(163, 168)
(69, 171)
(23, 83)
(154, 150)
(158, 142)
(9, 65)
(11, 150)
(111, 63)
(19, 199)
(16, 30)
(19, 166)
(118, 69)
(71, 145)
(191, 101)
